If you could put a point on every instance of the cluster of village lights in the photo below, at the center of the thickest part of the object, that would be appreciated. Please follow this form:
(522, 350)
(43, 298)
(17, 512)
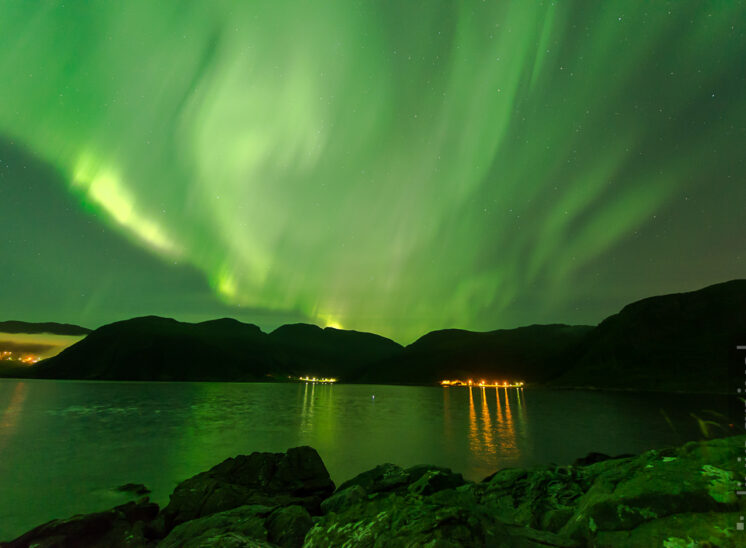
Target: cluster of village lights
(327, 380)
(483, 384)
(29, 359)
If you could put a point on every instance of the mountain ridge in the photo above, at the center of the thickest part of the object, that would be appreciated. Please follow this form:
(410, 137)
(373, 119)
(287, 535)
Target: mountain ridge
(52, 328)
(676, 342)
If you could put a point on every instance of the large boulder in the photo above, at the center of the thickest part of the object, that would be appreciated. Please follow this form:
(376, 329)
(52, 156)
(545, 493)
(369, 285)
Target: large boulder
(344, 499)
(242, 526)
(120, 527)
(287, 527)
(699, 478)
(673, 497)
(250, 525)
(433, 481)
(449, 518)
(389, 478)
(297, 477)
(382, 478)
(542, 498)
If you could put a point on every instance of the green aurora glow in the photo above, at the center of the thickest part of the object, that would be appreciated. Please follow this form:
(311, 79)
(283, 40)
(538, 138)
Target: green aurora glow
(391, 166)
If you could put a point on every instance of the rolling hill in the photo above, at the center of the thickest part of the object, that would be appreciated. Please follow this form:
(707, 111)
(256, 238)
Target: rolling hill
(677, 342)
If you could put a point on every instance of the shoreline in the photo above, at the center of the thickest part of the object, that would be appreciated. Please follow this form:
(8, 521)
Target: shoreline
(422, 385)
(659, 498)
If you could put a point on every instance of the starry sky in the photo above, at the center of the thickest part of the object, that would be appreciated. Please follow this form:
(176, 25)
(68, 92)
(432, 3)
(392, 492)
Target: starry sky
(385, 166)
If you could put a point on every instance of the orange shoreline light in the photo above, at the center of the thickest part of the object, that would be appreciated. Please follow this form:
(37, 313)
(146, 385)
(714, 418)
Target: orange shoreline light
(326, 380)
(482, 384)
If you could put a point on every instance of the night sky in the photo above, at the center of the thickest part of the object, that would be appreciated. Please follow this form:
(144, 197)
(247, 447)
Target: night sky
(386, 166)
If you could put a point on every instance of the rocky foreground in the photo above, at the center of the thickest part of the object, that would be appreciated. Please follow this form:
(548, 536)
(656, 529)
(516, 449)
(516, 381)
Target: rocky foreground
(673, 498)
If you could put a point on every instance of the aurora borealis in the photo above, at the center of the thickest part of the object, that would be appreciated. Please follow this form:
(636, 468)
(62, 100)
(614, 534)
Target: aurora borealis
(394, 167)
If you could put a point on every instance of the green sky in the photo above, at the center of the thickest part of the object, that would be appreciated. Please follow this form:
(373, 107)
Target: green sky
(389, 166)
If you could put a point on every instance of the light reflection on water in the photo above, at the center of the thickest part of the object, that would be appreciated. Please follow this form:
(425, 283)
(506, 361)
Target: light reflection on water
(65, 445)
(11, 412)
(493, 432)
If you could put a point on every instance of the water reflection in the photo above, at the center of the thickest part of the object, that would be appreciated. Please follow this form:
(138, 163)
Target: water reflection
(492, 434)
(306, 413)
(474, 445)
(11, 414)
(509, 439)
(317, 412)
(521, 398)
(161, 433)
(486, 422)
(447, 422)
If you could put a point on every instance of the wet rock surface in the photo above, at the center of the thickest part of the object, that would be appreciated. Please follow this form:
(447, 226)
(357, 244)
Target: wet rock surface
(245, 523)
(119, 527)
(133, 488)
(671, 498)
(297, 477)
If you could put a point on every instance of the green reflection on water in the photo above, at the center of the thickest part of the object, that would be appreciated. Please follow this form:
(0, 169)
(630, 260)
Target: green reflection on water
(11, 414)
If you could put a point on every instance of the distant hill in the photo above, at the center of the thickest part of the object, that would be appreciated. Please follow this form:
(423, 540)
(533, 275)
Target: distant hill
(308, 349)
(535, 353)
(154, 348)
(46, 327)
(683, 341)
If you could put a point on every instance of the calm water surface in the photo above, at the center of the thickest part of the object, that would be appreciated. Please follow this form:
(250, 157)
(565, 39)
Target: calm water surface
(64, 445)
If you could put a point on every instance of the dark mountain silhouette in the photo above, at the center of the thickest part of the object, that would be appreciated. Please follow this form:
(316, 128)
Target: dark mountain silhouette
(154, 348)
(535, 353)
(304, 349)
(13, 326)
(684, 341)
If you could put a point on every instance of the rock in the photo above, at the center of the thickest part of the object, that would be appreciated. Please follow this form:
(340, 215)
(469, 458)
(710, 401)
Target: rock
(448, 519)
(382, 478)
(525, 536)
(251, 525)
(287, 527)
(242, 526)
(120, 527)
(230, 540)
(555, 519)
(416, 472)
(387, 478)
(344, 499)
(709, 530)
(436, 480)
(505, 476)
(593, 458)
(541, 498)
(297, 477)
(134, 488)
(395, 520)
(674, 498)
(697, 479)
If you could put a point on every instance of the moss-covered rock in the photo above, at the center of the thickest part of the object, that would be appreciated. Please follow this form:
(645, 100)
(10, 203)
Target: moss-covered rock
(120, 527)
(675, 498)
(287, 527)
(242, 524)
(297, 477)
(344, 499)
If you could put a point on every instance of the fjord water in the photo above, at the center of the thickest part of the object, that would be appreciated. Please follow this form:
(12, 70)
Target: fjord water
(65, 445)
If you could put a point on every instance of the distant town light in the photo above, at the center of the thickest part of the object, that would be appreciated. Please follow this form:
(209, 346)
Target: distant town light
(482, 383)
(325, 380)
